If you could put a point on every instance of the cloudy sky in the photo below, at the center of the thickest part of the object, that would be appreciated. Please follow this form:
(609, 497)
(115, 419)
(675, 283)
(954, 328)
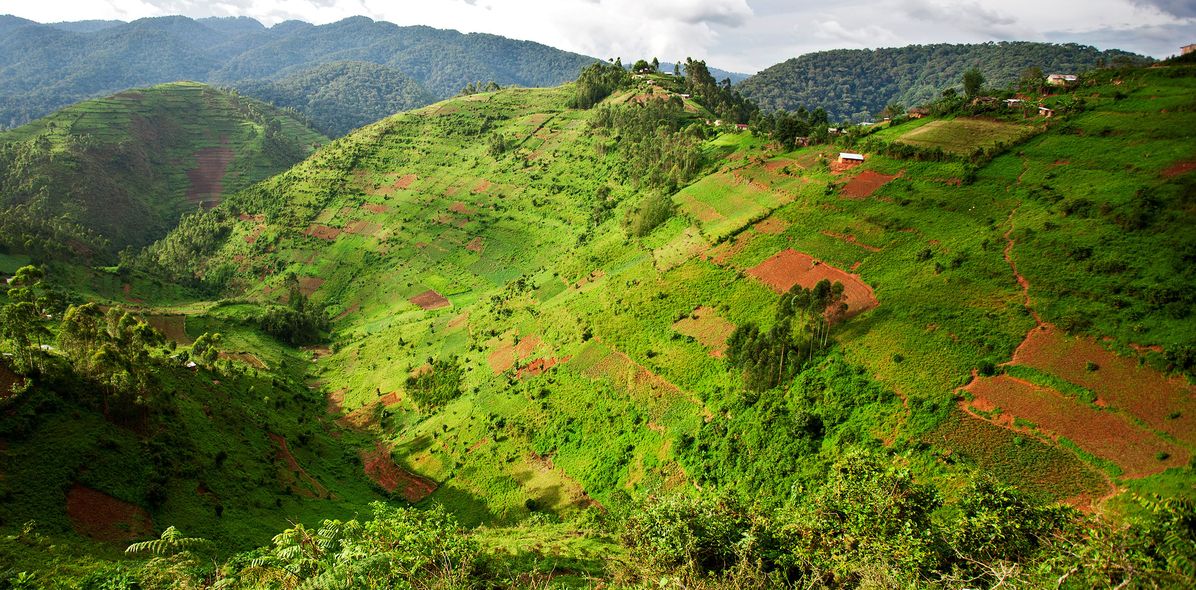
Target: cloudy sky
(739, 35)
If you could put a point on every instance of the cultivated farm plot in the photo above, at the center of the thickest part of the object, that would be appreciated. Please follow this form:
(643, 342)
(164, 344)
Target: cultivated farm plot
(1102, 433)
(1166, 404)
(962, 136)
(789, 267)
(723, 204)
(708, 328)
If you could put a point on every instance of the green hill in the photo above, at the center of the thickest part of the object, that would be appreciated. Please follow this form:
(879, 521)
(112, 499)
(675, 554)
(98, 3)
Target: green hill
(110, 173)
(857, 84)
(341, 96)
(46, 67)
(594, 347)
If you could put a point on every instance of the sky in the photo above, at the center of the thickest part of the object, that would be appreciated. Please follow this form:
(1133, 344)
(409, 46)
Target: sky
(738, 35)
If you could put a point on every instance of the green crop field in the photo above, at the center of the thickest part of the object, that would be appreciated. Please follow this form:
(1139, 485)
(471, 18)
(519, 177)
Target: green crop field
(962, 136)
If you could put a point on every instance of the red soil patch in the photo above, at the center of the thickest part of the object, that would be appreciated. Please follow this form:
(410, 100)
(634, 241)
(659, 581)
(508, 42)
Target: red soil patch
(590, 278)
(382, 469)
(708, 328)
(539, 367)
(776, 165)
(352, 309)
(284, 454)
(461, 208)
(375, 208)
(841, 167)
(309, 285)
(390, 399)
(252, 236)
(1118, 381)
(865, 183)
(336, 401)
(405, 181)
(476, 245)
(1105, 434)
(641, 383)
(323, 232)
(527, 345)
(207, 177)
(99, 516)
(482, 186)
(430, 299)
(477, 445)
(1179, 168)
(771, 226)
(363, 228)
(361, 418)
(789, 267)
(724, 252)
(851, 239)
(502, 359)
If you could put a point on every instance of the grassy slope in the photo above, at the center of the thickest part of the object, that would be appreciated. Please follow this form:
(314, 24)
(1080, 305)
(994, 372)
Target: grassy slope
(602, 425)
(118, 165)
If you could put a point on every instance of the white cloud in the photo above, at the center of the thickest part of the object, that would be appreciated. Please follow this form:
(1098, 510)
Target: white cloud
(741, 35)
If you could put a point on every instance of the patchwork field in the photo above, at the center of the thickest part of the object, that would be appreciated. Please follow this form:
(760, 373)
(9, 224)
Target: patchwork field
(964, 135)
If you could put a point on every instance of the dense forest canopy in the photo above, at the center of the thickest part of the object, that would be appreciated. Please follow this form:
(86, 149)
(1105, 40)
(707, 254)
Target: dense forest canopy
(857, 84)
(341, 96)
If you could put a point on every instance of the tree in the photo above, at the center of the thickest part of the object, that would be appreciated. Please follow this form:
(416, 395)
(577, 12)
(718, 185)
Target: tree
(1031, 80)
(20, 325)
(973, 81)
(641, 67)
(204, 351)
(171, 542)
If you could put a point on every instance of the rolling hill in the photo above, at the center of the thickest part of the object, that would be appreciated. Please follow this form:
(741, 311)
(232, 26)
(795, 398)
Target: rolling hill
(341, 96)
(46, 67)
(118, 172)
(856, 84)
(620, 345)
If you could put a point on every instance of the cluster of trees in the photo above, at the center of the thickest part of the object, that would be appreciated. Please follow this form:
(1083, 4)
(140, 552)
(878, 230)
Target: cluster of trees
(789, 128)
(113, 349)
(867, 524)
(477, 87)
(855, 84)
(719, 97)
(299, 322)
(182, 254)
(50, 68)
(436, 384)
(801, 330)
(657, 151)
(338, 97)
(596, 82)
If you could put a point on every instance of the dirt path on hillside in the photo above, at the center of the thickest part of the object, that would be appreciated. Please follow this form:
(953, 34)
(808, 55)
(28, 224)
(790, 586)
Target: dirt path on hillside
(1021, 280)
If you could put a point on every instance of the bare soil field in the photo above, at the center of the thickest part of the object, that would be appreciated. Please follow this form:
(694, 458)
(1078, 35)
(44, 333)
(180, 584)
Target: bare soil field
(1105, 434)
(363, 228)
(771, 226)
(1179, 168)
(323, 232)
(173, 327)
(476, 245)
(208, 176)
(99, 516)
(382, 470)
(865, 183)
(309, 285)
(430, 299)
(789, 267)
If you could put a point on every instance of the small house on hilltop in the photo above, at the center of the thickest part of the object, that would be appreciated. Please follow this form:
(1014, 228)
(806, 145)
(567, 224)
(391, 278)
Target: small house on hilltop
(850, 158)
(741, 126)
(1013, 102)
(1046, 112)
(918, 112)
(1062, 79)
(1186, 49)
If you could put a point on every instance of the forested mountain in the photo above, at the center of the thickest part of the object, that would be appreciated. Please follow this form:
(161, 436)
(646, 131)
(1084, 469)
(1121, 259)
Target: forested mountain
(340, 96)
(109, 173)
(856, 84)
(46, 67)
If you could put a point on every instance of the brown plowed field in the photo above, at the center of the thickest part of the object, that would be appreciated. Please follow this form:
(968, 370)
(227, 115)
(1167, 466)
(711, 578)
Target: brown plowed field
(99, 516)
(208, 175)
(789, 267)
(382, 469)
(1179, 168)
(309, 285)
(173, 327)
(375, 208)
(363, 228)
(430, 299)
(1106, 434)
(708, 328)
(476, 245)
(323, 232)
(865, 183)
(1118, 381)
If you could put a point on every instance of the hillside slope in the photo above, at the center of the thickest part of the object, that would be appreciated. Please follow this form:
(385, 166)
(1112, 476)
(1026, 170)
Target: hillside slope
(341, 96)
(46, 67)
(115, 172)
(856, 84)
(615, 317)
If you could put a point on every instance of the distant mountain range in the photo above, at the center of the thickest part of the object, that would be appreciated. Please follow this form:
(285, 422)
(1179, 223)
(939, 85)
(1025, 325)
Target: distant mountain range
(44, 67)
(856, 84)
